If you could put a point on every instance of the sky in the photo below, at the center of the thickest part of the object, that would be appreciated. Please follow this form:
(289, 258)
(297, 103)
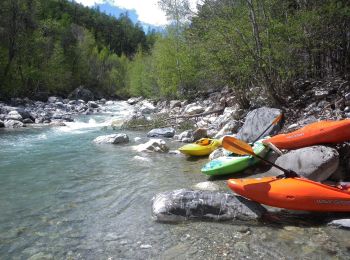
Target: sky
(148, 11)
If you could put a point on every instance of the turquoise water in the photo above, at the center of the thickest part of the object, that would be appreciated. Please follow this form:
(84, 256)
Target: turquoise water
(63, 197)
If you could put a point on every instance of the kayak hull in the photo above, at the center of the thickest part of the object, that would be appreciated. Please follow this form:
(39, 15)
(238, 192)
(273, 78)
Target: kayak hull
(315, 133)
(196, 149)
(293, 193)
(231, 164)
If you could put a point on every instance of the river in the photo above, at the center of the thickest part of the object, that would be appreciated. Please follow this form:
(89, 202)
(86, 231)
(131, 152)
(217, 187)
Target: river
(63, 197)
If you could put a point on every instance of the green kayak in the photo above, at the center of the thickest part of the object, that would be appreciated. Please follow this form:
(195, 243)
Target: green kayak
(233, 162)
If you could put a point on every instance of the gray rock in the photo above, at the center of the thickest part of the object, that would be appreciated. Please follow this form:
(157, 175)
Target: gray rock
(145, 107)
(193, 109)
(179, 205)
(218, 153)
(340, 223)
(347, 96)
(13, 124)
(162, 132)
(199, 133)
(316, 163)
(81, 93)
(2, 124)
(319, 94)
(153, 145)
(28, 121)
(134, 100)
(14, 115)
(257, 121)
(93, 104)
(228, 129)
(175, 103)
(54, 99)
(111, 139)
(185, 136)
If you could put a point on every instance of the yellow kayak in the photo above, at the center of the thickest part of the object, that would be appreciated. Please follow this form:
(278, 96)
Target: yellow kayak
(202, 147)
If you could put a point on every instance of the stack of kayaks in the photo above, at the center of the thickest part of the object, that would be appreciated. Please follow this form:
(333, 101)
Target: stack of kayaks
(316, 133)
(300, 193)
(293, 193)
(202, 147)
(234, 163)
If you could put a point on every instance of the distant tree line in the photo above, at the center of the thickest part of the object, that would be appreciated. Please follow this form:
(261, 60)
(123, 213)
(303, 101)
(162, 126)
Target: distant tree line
(54, 46)
(256, 47)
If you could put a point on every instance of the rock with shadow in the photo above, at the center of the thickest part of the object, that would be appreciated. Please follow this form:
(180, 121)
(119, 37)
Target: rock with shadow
(183, 204)
(257, 121)
(316, 163)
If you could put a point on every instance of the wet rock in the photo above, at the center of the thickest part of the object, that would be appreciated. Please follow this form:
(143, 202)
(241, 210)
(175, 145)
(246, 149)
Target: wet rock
(193, 109)
(14, 115)
(162, 132)
(179, 205)
(153, 145)
(81, 93)
(316, 163)
(206, 185)
(199, 133)
(340, 223)
(112, 139)
(13, 124)
(257, 121)
(2, 124)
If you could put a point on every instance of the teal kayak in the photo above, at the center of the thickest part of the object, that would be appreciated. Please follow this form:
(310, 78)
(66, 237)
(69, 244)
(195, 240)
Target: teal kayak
(233, 162)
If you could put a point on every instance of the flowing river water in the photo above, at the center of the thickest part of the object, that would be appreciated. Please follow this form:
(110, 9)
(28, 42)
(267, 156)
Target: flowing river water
(63, 197)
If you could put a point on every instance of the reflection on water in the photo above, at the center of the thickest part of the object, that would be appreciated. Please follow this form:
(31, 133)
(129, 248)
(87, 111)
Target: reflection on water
(62, 196)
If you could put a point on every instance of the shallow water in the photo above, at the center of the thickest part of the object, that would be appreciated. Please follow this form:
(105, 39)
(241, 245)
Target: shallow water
(63, 197)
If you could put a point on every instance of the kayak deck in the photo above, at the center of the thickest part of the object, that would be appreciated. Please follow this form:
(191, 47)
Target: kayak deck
(293, 193)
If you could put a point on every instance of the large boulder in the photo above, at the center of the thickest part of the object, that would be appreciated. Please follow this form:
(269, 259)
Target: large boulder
(316, 163)
(14, 115)
(2, 124)
(199, 133)
(13, 124)
(81, 93)
(162, 132)
(179, 205)
(111, 139)
(153, 145)
(257, 121)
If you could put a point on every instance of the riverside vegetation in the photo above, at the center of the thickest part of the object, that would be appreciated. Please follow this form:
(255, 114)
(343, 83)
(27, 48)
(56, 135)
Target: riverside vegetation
(257, 48)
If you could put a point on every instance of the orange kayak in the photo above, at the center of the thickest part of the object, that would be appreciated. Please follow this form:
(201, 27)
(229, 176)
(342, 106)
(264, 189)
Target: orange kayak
(293, 193)
(316, 133)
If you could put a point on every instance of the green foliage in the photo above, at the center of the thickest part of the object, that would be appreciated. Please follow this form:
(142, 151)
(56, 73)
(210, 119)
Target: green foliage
(55, 46)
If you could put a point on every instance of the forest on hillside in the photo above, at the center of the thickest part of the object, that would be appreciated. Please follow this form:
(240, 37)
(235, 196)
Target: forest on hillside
(256, 47)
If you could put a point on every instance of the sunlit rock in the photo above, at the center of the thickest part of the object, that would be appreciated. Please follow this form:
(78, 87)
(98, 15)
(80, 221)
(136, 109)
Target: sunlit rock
(112, 139)
(180, 205)
(153, 145)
